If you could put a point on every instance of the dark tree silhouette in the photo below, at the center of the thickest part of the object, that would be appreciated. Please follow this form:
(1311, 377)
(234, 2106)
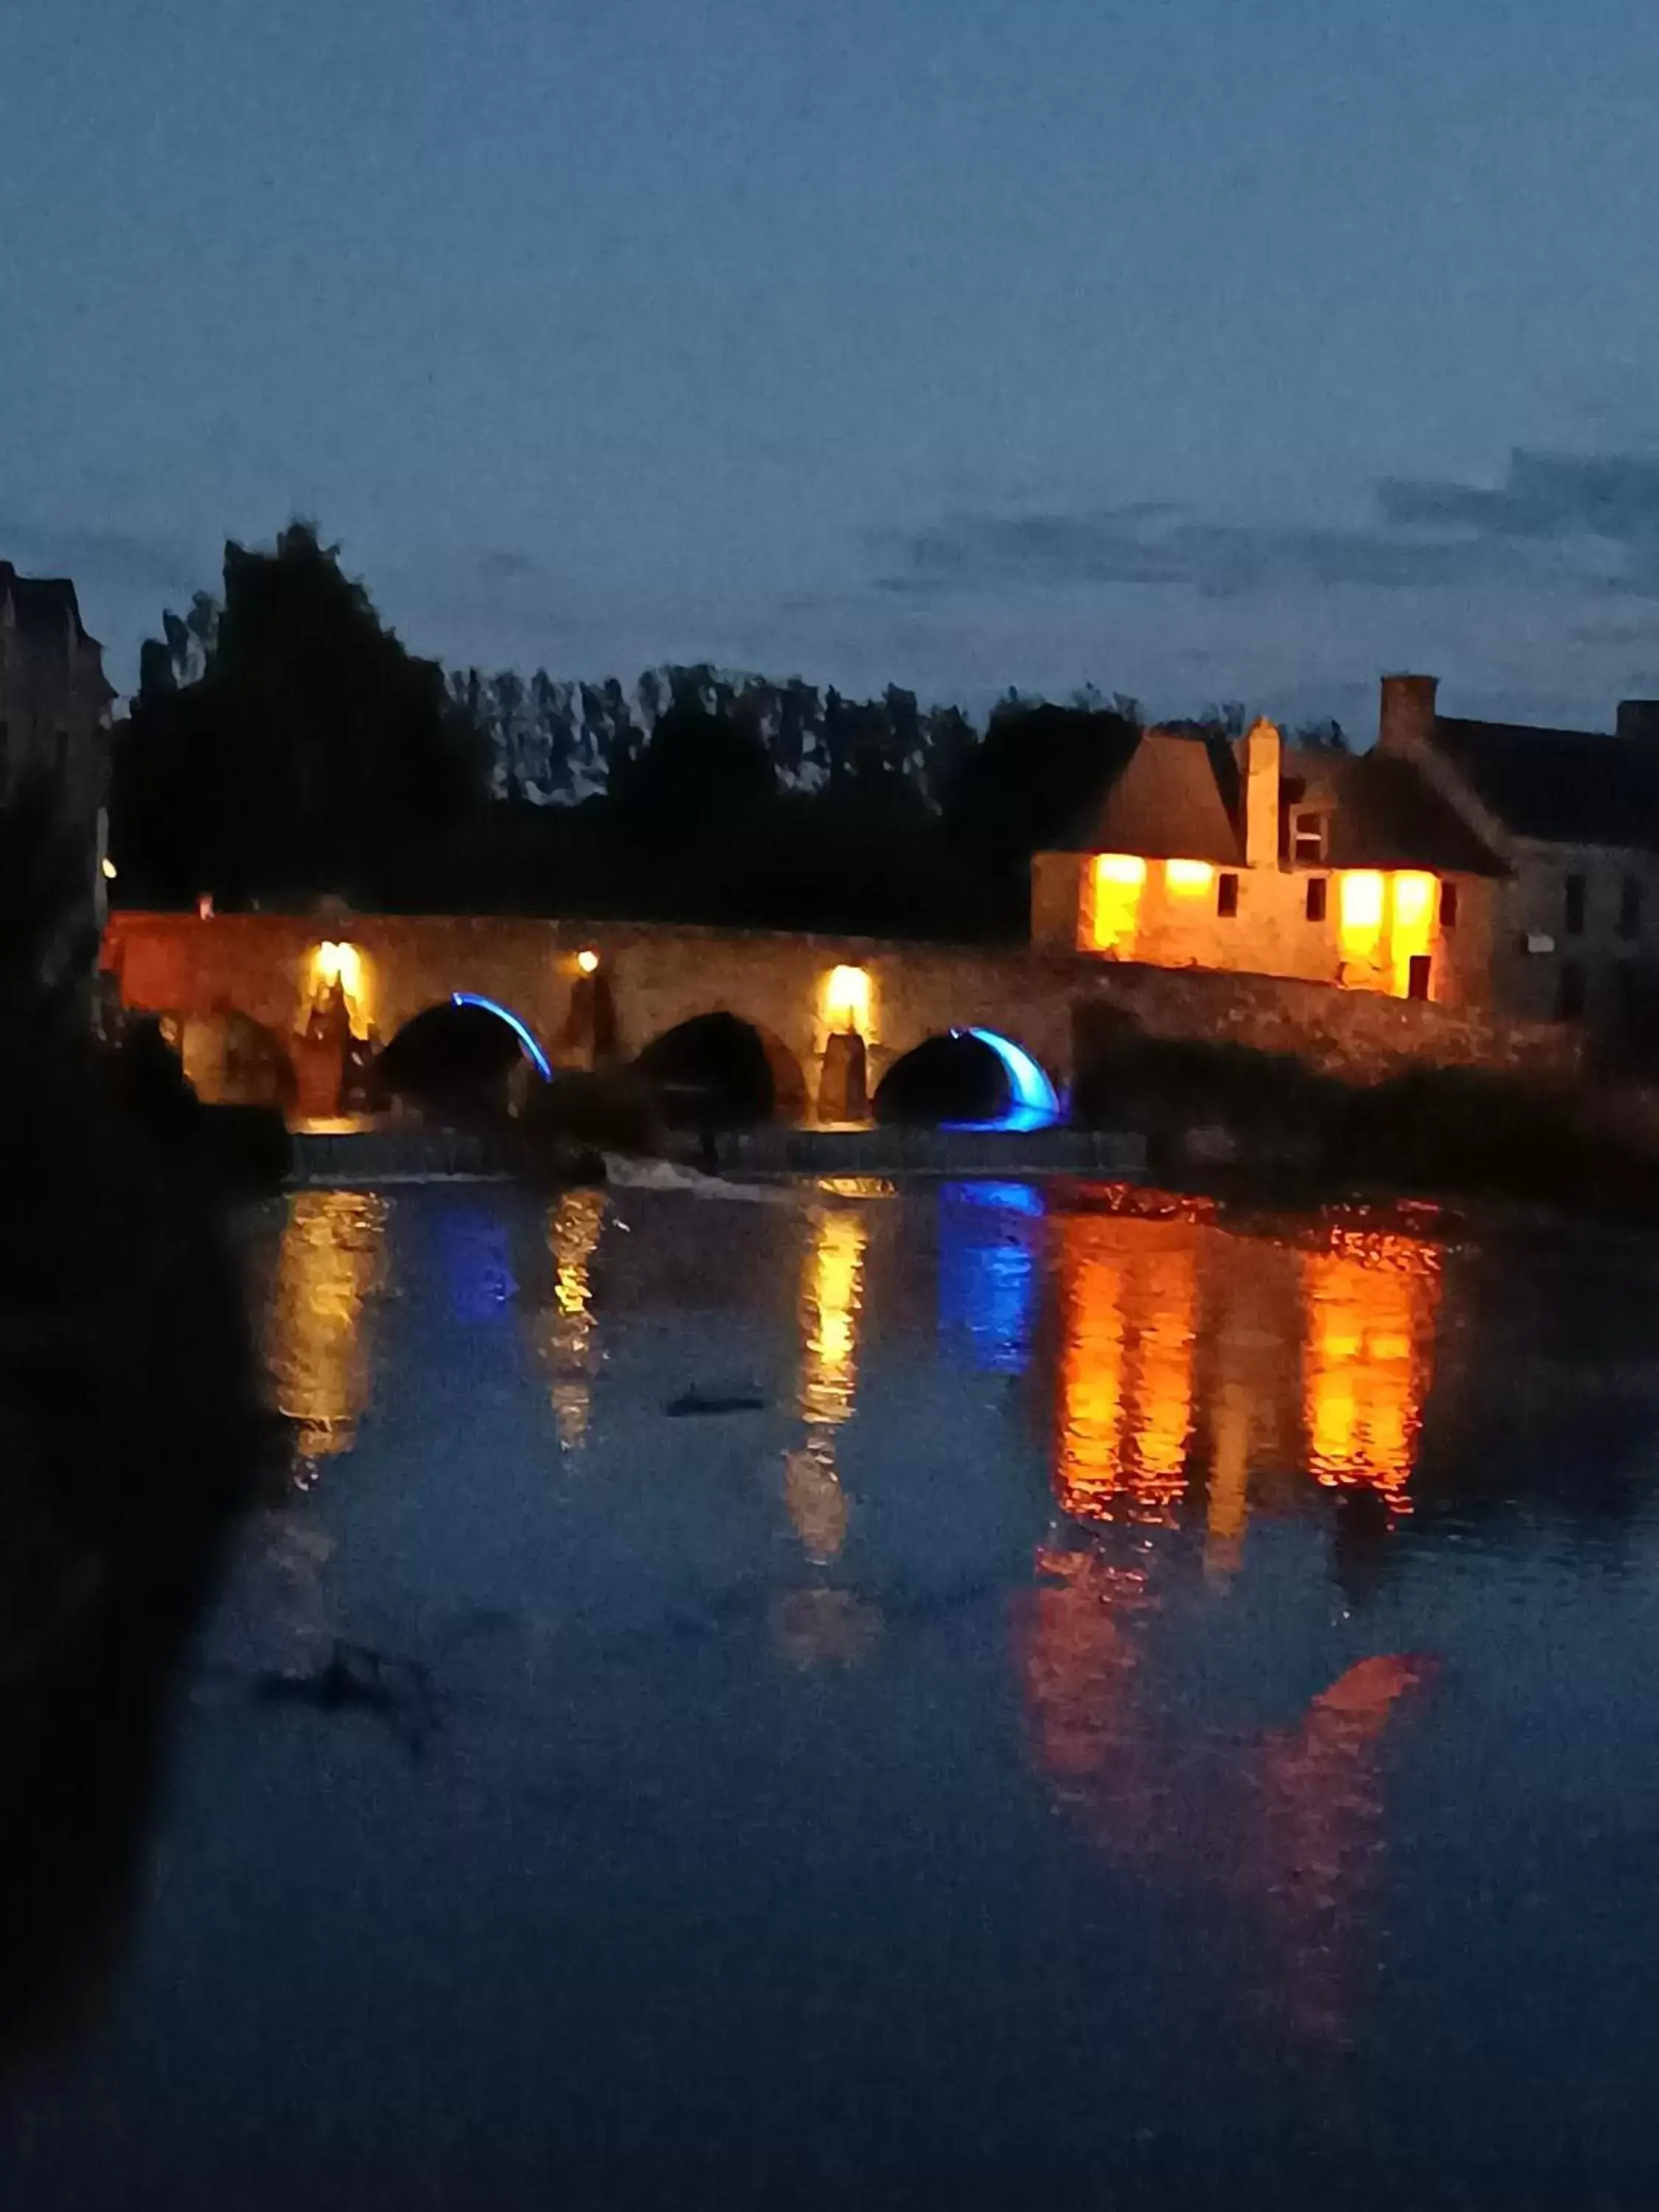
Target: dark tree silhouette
(1037, 769)
(310, 747)
(699, 769)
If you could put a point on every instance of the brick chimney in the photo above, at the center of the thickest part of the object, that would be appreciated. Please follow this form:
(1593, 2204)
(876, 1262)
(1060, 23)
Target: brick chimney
(1640, 717)
(1405, 723)
(1262, 759)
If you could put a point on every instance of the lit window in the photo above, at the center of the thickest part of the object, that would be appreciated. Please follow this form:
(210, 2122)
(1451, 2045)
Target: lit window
(1414, 901)
(1362, 900)
(1360, 897)
(1119, 879)
(1415, 905)
(1188, 878)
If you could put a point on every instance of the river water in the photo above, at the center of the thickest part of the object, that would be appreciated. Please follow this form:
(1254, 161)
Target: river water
(1092, 1701)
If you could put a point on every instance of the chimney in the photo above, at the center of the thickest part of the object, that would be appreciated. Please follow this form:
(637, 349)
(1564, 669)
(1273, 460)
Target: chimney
(1640, 717)
(1261, 795)
(1405, 724)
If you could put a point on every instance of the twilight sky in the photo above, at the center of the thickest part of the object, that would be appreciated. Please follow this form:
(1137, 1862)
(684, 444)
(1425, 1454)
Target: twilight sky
(1201, 349)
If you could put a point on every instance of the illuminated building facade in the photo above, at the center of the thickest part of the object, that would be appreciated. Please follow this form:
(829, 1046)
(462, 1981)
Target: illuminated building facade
(1239, 855)
(1501, 869)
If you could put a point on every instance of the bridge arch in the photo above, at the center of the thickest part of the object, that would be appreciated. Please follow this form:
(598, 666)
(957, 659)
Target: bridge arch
(459, 1052)
(722, 1068)
(973, 1077)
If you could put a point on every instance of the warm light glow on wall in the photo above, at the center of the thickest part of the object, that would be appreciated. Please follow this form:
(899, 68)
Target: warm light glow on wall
(1361, 901)
(1360, 921)
(1416, 904)
(588, 962)
(331, 964)
(1188, 878)
(1118, 881)
(847, 1000)
(1414, 901)
(343, 965)
(1370, 1313)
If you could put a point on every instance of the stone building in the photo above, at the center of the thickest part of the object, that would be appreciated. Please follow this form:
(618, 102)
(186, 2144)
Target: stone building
(1499, 869)
(1573, 817)
(55, 712)
(1353, 871)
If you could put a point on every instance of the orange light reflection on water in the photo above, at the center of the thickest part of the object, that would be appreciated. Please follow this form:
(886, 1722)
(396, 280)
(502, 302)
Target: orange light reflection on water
(573, 1231)
(832, 1291)
(1370, 1306)
(819, 1625)
(1129, 1294)
(328, 1266)
(1187, 1349)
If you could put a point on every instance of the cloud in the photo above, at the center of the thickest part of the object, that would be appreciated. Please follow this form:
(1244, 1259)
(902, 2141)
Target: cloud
(506, 566)
(1544, 496)
(1125, 545)
(1429, 534)
(114, 558)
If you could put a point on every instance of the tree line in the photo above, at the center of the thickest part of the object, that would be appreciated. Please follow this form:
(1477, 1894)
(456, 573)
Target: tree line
(284, 744)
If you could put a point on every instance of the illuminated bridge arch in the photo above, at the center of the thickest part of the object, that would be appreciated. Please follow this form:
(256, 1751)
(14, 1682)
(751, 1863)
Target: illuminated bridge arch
(458, 1054)
(975, 1077)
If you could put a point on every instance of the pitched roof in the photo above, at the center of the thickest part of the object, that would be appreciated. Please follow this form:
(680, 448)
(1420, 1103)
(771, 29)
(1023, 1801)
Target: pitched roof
(41, 604)
(1176, 798)
(1578, 787)
(1385, 813)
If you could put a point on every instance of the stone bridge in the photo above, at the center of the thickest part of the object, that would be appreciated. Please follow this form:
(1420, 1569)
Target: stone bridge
(794, 991)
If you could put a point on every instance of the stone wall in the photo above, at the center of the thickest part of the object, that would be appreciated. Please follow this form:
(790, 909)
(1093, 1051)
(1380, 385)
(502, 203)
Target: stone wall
(1357, 1036)
(1534, 907)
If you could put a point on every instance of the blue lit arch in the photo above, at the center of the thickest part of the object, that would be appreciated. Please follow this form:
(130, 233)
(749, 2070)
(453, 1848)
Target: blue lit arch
(1031, 1090)
(532, 1050)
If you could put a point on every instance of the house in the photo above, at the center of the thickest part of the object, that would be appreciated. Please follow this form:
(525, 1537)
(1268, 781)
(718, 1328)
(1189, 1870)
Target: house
(1493, 866)
(55, 713)
(1352, 870)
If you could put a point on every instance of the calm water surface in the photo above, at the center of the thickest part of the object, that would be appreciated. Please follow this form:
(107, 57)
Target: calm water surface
(1145, 1710)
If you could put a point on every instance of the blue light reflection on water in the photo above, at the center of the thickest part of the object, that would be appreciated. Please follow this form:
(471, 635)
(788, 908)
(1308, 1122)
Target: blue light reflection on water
(478, 1271)
(989, 1251)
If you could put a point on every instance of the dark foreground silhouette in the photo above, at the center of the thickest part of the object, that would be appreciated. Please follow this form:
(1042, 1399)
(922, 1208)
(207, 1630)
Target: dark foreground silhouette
(131, 1435)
